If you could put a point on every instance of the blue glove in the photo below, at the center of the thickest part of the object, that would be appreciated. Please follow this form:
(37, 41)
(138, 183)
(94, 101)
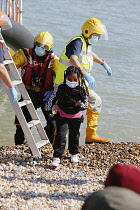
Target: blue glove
(106, 67)
(90, 80)
(14, 94)
(47, 95)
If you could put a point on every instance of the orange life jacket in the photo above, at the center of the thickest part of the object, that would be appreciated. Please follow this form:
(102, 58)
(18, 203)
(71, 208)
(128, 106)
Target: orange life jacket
(36, 75)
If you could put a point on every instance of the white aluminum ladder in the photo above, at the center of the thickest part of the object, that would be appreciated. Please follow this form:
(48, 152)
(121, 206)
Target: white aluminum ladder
(34, 146)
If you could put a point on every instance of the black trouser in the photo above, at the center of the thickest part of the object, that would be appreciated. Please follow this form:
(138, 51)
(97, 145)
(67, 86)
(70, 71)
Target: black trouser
(63, 125)
(37, 100)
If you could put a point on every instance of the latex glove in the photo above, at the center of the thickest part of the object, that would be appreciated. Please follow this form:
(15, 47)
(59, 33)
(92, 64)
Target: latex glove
(47, 95)
(14, 94)
(106, 67)
(90, 80)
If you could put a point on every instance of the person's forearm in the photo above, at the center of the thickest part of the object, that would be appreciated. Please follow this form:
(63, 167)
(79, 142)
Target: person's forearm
(4, 76)
(97, 59)
(74, 62)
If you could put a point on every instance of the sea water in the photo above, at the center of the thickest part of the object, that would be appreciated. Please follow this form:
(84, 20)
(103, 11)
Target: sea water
(120, 116)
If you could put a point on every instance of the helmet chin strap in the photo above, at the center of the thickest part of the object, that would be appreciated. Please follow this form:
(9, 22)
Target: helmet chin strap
(86, 40)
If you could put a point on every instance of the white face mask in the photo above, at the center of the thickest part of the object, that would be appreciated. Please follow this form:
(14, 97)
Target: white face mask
(95, 38)
(40, 51)
(72, 84)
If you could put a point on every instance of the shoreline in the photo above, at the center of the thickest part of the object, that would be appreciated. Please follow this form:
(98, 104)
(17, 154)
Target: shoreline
(27, 182)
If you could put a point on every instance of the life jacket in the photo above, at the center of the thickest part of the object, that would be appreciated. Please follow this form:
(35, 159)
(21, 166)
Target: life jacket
(35, 75)
(85, 58)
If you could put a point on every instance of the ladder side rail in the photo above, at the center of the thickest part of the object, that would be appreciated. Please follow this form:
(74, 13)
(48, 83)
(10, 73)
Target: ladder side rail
(24, 125)
(32, 111)
(11, 65)
(35, 116)
(15, 72)
(44, 138)
(23, 91)
(9, 60)
(41, 132)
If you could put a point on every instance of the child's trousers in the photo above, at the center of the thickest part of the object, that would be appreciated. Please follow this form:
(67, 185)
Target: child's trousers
(63, 125)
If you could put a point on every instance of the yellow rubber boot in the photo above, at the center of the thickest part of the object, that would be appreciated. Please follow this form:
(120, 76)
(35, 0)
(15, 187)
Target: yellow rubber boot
(91, 136)
(92, 124)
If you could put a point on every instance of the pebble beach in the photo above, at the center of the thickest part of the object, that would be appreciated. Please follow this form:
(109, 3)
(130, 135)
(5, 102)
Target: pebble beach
(27, 182)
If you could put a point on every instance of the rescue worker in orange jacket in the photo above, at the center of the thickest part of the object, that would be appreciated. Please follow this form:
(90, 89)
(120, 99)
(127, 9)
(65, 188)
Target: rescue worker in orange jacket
(38, 67)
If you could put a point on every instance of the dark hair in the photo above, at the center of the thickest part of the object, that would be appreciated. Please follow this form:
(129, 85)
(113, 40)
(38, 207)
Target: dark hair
(77, 70)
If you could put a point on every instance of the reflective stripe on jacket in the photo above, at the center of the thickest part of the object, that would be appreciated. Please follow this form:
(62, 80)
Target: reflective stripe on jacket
(85, 58)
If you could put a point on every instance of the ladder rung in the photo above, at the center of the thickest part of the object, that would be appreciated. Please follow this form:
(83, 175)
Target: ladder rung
(16, 82)
(24, 102)
(35, 120)
(33, 123)
(8, 61)
(41, 143)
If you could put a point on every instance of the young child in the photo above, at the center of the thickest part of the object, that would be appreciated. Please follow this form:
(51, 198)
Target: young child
(71, 98)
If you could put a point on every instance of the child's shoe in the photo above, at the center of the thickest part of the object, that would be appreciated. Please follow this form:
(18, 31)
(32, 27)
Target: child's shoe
(55, 163)
(74, 158)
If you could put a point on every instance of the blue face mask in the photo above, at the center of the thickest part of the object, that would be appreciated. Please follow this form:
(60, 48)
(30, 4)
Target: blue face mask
(72, 84)
(40, 51)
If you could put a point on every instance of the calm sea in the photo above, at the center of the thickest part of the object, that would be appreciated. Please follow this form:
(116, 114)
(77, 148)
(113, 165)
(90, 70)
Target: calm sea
(120, 116)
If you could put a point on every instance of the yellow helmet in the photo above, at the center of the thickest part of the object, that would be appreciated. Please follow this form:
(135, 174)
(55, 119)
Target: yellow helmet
(94, 26)
(45, 40)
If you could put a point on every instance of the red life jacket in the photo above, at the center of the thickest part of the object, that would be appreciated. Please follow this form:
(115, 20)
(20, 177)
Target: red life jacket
(34, 70)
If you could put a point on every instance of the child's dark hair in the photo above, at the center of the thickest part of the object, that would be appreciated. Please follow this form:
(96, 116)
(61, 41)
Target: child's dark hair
(77, 70)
